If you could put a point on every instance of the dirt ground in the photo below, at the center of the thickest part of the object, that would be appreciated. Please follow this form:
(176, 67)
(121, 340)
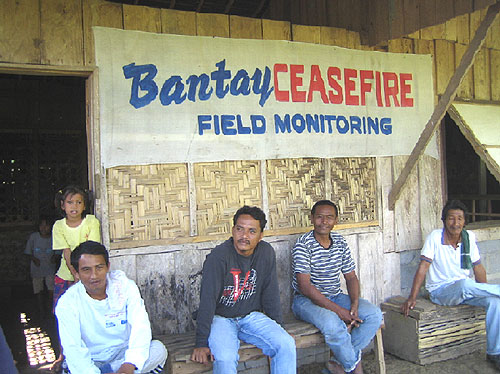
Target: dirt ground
(474, 363)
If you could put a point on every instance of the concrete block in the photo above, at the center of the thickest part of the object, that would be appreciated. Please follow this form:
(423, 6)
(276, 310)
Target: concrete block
(307, 360)
(241, 366)
(257, 363)
(300, 354)
(322, 357)
(258, 370)
(310, 351)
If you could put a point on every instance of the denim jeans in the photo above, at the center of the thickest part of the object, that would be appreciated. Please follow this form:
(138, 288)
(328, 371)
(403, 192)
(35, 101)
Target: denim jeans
(345, 346)
(258, 329)
(467, 291)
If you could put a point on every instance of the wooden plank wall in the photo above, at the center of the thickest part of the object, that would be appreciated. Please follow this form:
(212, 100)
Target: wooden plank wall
(376, 20)
(57, 33)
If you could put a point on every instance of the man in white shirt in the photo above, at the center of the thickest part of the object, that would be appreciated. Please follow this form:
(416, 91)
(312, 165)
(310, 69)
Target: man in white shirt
(447, 257)
(103, 324)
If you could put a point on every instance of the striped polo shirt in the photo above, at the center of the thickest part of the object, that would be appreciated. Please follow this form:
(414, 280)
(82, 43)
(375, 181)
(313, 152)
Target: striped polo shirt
(323, 264)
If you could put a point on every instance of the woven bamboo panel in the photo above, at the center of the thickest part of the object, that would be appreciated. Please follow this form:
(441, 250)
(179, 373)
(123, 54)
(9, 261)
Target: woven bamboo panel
(222, 188)
(293, 185)
(148, 202)
(354, 188)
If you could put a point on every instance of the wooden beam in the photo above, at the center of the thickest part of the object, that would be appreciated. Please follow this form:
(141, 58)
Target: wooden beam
(444, 102)
(61, 70)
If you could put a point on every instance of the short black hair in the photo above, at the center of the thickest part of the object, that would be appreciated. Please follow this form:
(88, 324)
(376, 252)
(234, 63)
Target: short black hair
(89, 248)
(253, 211)
(453, 205)
(324, 202)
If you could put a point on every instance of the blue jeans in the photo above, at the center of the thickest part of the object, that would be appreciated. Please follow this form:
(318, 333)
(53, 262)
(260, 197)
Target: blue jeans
(467, 291)
(345, 346)
(258, 329)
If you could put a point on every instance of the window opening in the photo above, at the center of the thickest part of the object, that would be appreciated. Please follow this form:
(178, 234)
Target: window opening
(468, 178)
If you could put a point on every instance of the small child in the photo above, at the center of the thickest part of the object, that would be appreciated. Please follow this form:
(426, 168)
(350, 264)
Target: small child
(43, 267)
(76, 227)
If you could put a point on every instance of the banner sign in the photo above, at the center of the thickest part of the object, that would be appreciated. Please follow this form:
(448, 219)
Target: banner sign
(170, 98)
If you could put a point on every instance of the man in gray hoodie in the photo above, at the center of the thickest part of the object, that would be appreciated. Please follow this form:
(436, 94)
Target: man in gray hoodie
(239, 300)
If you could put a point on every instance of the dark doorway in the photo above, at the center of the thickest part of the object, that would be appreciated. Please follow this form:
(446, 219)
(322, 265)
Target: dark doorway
(467, 177)
(43, 147)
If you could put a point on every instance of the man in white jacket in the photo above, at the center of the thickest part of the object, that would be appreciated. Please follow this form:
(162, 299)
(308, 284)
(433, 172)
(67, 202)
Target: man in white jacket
(103, 324)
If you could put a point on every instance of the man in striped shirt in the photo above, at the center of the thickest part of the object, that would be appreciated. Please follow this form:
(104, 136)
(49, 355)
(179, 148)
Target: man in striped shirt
(347, 322)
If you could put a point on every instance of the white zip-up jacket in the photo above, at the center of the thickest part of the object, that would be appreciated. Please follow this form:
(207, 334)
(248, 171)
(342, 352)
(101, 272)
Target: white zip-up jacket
(102, 330)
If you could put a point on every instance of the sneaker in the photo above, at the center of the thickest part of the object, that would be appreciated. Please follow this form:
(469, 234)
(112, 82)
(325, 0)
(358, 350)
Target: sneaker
(495, 359)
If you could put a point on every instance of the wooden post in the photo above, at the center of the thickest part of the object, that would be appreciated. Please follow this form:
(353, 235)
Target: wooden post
(444, 102)
(379, 352)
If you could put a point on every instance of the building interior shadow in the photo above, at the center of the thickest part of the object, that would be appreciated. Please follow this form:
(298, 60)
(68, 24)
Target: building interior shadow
(30, 331)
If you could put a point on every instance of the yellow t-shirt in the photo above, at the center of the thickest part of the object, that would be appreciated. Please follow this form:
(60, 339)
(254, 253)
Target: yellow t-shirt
(64, 236)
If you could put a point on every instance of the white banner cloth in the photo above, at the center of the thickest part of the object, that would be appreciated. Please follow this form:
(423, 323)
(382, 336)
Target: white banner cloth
(173, 99)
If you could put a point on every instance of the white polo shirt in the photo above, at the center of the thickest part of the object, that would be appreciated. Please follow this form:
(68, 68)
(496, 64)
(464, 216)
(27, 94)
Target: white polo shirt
(445, 267)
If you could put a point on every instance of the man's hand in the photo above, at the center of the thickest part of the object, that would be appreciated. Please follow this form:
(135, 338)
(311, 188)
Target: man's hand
(408, 305)
(418, 280)
(352, 284)
(351, 319)
(202, 355)
(355, 321)
(36, 261)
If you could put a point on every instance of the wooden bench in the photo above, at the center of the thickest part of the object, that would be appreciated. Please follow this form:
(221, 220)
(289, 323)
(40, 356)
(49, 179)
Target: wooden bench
(180, 347)
(432, 332)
